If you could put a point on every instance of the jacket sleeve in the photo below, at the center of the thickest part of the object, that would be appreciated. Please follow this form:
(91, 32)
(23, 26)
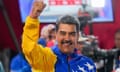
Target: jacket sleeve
(38, 57)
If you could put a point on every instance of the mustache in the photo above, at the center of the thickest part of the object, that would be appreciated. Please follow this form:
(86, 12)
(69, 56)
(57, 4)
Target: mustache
(66, 41)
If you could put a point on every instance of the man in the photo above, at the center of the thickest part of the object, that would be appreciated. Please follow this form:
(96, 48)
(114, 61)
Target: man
(61, 58)
(113, 55)
(51, 37)
(117, 55)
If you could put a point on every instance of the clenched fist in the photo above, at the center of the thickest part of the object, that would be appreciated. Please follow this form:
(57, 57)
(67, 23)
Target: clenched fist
(37, 8)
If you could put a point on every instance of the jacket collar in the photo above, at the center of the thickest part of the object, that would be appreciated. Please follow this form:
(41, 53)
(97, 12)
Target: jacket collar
(57, 51)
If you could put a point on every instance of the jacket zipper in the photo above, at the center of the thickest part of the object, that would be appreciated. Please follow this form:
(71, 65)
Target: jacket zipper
(68, 64)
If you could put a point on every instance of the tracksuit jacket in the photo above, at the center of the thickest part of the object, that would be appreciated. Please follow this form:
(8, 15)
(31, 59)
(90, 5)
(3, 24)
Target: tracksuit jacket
(50, 59)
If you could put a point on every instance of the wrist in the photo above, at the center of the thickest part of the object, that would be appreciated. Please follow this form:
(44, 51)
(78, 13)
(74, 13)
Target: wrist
(33, 16)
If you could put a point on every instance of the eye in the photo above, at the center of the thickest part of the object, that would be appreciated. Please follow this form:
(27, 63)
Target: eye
(72, 34)
(62, 33)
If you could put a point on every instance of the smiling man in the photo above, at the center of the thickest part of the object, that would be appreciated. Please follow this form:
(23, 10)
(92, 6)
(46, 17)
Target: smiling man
(61, 57)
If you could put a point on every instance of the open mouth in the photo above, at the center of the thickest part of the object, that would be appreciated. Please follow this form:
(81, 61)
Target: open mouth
(66, 42)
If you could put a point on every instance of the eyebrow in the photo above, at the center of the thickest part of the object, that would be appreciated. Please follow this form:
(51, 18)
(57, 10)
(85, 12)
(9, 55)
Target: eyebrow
(68, 32)
(72, 32)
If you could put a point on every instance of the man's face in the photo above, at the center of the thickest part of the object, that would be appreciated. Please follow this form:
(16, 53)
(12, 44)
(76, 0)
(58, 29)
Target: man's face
(117, 40)
(67, 37)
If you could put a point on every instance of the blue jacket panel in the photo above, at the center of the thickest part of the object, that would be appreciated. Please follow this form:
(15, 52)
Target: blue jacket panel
(42, 41)
(77, 63)
(19, 64)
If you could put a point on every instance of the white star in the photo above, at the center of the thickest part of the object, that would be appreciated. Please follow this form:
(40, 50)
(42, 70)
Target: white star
(73, 71)
(90, 67)
(81, 69)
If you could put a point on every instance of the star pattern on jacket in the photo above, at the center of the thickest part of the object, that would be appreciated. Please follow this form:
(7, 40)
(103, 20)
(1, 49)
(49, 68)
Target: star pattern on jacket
(90, 67)
(81, 68)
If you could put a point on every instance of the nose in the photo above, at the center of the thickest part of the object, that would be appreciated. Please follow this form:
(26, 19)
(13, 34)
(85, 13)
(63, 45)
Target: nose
(67, 37)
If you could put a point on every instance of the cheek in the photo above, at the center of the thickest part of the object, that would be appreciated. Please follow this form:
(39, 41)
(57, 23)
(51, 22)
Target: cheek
(58, 38)
(74, 39)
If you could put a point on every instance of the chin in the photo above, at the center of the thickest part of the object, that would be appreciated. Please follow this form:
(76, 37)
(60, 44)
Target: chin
(68, 52)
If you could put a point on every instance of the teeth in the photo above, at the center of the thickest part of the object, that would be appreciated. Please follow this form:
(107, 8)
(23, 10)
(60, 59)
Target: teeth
(67, 43)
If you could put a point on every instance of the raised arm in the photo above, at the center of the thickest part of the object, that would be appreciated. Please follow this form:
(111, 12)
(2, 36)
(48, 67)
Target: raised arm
(37, 56)
(31, 28)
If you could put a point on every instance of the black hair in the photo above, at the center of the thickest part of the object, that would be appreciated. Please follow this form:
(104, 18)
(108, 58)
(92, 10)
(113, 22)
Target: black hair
(68, 19)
